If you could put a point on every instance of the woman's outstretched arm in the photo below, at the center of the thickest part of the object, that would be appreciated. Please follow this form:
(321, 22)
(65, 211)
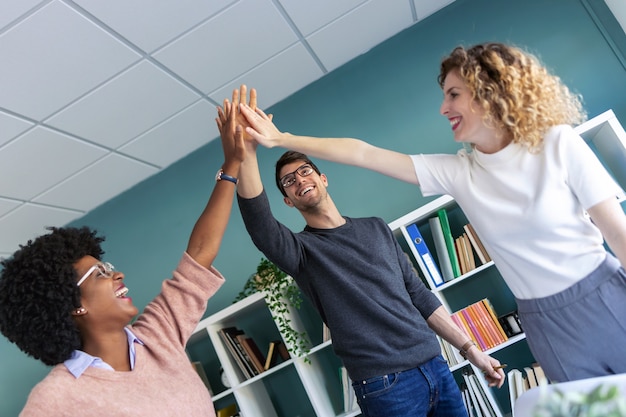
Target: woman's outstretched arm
(348, 151)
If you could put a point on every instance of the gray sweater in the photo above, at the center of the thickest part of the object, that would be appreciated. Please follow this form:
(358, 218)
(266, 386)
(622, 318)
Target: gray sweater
(359, 280)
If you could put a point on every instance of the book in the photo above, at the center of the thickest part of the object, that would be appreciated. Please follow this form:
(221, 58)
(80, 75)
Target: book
(229, 334)
(197, 366)
(473, 399)
(275, 350)
(349, 398)
(481, 324)
(461, 325)
(539, 374)
(447, 235)
(469, 252)
(460, 253)
(247, 361)
(493, 315)
(283, 352)
(474, 329)
(272, 354)
(228, 411)
(441, 249)
(530, 377)
(481, 396)
(325, 333)
(478, 246)
(512, 377)
(466, 400)
(425, 258)
(489, 322)
(253, 352)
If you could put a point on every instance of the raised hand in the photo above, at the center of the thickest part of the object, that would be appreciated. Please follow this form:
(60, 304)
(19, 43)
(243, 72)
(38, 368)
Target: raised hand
(231, 133)
(240, 96)
(260, 126)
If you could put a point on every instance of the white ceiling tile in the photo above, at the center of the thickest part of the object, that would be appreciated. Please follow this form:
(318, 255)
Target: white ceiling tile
(149, 24)
(277, 78)
(30, 221)
(53, 57)
(309, 16)
(11, 126)
(176, 137)
(98, 183)
(12, 9)
(424, 8)
(618, 8)
(39, 159)
(126, 106)
(77, 65)
(7, 205)
(336, 44)
(208, 56)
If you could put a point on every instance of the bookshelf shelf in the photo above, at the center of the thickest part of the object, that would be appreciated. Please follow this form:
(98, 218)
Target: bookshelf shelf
(309, 378)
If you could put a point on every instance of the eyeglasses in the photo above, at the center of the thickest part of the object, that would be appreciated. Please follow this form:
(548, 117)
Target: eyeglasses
(104, 269)
(290, 179)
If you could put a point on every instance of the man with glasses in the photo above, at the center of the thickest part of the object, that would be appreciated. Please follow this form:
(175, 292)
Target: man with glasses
(61, 304)
(380, 314)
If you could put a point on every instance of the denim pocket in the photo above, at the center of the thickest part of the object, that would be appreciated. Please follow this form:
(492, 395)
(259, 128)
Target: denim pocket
(375, 386)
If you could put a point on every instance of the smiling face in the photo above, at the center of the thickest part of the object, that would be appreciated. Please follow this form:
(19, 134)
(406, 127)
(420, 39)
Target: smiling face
(467, 117)
(306, 191)
(104, 298)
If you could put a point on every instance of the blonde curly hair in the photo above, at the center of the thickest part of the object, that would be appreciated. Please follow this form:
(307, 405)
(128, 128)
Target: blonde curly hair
(517, 93)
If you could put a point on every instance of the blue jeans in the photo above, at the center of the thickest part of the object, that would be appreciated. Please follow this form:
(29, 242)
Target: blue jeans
(427, 390)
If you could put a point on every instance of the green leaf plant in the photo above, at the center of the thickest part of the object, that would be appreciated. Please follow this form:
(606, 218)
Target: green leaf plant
(603, 401)
(281, 293)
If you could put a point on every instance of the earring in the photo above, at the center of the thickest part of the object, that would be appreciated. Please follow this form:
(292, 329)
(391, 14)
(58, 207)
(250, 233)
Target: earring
(80, 310)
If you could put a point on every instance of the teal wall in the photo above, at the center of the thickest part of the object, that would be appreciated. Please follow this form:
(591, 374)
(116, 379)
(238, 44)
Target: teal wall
(389, 97)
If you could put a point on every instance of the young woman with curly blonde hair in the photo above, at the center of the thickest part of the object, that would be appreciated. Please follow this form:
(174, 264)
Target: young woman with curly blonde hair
(526, 182)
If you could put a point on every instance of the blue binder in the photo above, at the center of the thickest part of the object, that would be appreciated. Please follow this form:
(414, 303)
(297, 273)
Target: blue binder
(425, 259)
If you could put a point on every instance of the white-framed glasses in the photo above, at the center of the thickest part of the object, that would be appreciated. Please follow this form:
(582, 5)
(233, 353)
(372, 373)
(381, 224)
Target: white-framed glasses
(104, 270)
(290, 179)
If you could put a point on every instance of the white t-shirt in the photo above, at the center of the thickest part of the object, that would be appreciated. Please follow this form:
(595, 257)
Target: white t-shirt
(529, 208)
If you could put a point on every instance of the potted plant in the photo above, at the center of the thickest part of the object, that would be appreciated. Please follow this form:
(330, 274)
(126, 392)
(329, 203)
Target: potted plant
(282, 296)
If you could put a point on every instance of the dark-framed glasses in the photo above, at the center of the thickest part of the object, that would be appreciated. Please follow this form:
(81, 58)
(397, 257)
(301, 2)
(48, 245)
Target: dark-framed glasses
(103, 269)
(290, 179)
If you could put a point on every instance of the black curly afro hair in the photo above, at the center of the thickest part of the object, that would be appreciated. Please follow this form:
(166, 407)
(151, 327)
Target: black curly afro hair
(38, 292)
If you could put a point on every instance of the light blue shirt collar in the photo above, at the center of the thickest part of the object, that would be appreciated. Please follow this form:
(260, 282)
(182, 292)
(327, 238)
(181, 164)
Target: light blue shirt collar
(80, 361)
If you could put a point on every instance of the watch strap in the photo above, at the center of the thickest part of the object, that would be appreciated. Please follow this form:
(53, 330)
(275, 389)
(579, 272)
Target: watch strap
(221, 176)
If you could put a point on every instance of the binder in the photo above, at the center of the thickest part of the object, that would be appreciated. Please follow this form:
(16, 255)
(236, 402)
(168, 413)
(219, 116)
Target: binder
(441, 249)
(447, 234)
(425, 259)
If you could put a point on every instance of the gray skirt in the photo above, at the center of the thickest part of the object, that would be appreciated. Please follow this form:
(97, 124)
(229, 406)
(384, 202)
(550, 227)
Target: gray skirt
(580, 332)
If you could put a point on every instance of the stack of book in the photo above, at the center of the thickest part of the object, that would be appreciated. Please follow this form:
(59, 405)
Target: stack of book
(520, 382)
(456, 256)
(244, 350)
(480, 322)
(478, 400)
(449, 353)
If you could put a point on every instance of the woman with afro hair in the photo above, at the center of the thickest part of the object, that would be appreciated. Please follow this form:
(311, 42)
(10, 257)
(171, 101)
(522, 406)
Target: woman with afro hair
(62, 304)
(526, 182)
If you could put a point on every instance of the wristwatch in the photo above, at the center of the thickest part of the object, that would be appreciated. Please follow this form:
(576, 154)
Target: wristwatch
(221, 176)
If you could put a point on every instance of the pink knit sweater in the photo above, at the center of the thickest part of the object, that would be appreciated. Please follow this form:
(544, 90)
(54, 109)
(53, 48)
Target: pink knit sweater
(163, 382)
